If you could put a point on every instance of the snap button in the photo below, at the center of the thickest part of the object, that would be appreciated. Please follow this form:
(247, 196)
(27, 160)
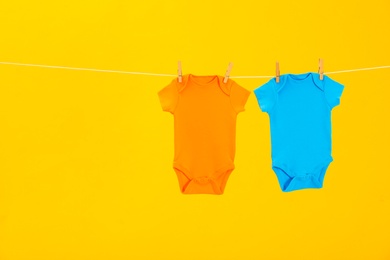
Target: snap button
(202, 180)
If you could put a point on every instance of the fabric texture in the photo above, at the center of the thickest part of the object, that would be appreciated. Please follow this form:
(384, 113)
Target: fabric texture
(205, 111)
(299, 109)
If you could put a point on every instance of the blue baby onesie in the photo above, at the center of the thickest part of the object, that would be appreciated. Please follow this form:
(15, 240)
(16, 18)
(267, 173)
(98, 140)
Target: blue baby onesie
(299, 109)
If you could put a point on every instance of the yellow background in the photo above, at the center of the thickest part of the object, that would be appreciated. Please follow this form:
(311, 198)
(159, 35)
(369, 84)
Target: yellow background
(86, 157)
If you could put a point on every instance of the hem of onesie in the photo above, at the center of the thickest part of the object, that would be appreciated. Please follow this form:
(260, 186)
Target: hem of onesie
(221, 170)
(320, 183)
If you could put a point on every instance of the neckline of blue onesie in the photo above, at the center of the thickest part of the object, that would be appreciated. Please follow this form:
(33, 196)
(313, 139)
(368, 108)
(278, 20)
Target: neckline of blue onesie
(298, 79)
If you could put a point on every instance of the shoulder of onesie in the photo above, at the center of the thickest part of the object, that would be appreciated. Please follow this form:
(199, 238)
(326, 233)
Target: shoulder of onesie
(225, 87)
(182, 85)
(317, 81)
(230, 86)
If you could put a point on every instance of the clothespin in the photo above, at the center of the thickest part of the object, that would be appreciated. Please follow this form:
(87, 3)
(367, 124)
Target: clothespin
(321, 69)
(179, 72)
(277, 72)
(227, 74)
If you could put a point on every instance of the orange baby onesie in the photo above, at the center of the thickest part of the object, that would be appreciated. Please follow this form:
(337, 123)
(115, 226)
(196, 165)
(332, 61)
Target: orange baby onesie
(205, 111)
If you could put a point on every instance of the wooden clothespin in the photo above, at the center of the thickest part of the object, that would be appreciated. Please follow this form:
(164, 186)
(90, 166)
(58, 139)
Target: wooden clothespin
(321, 69)
(277, 72)
(179, 72)
(227, 74)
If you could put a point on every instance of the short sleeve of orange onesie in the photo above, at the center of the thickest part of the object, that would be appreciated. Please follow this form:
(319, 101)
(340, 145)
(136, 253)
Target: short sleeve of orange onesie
(169, 97)
(205, 110)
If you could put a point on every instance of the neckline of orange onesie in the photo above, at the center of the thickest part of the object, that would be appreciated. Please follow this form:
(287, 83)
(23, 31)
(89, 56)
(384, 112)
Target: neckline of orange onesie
(205, 110)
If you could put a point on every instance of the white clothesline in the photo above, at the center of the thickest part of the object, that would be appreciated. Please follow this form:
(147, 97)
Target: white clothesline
(164, 75)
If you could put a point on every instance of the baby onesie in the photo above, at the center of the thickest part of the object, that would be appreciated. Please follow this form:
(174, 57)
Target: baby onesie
(299, 109)
(205, 111)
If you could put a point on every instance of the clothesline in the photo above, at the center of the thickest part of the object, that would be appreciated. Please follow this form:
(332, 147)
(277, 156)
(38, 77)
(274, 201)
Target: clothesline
(165, 75)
